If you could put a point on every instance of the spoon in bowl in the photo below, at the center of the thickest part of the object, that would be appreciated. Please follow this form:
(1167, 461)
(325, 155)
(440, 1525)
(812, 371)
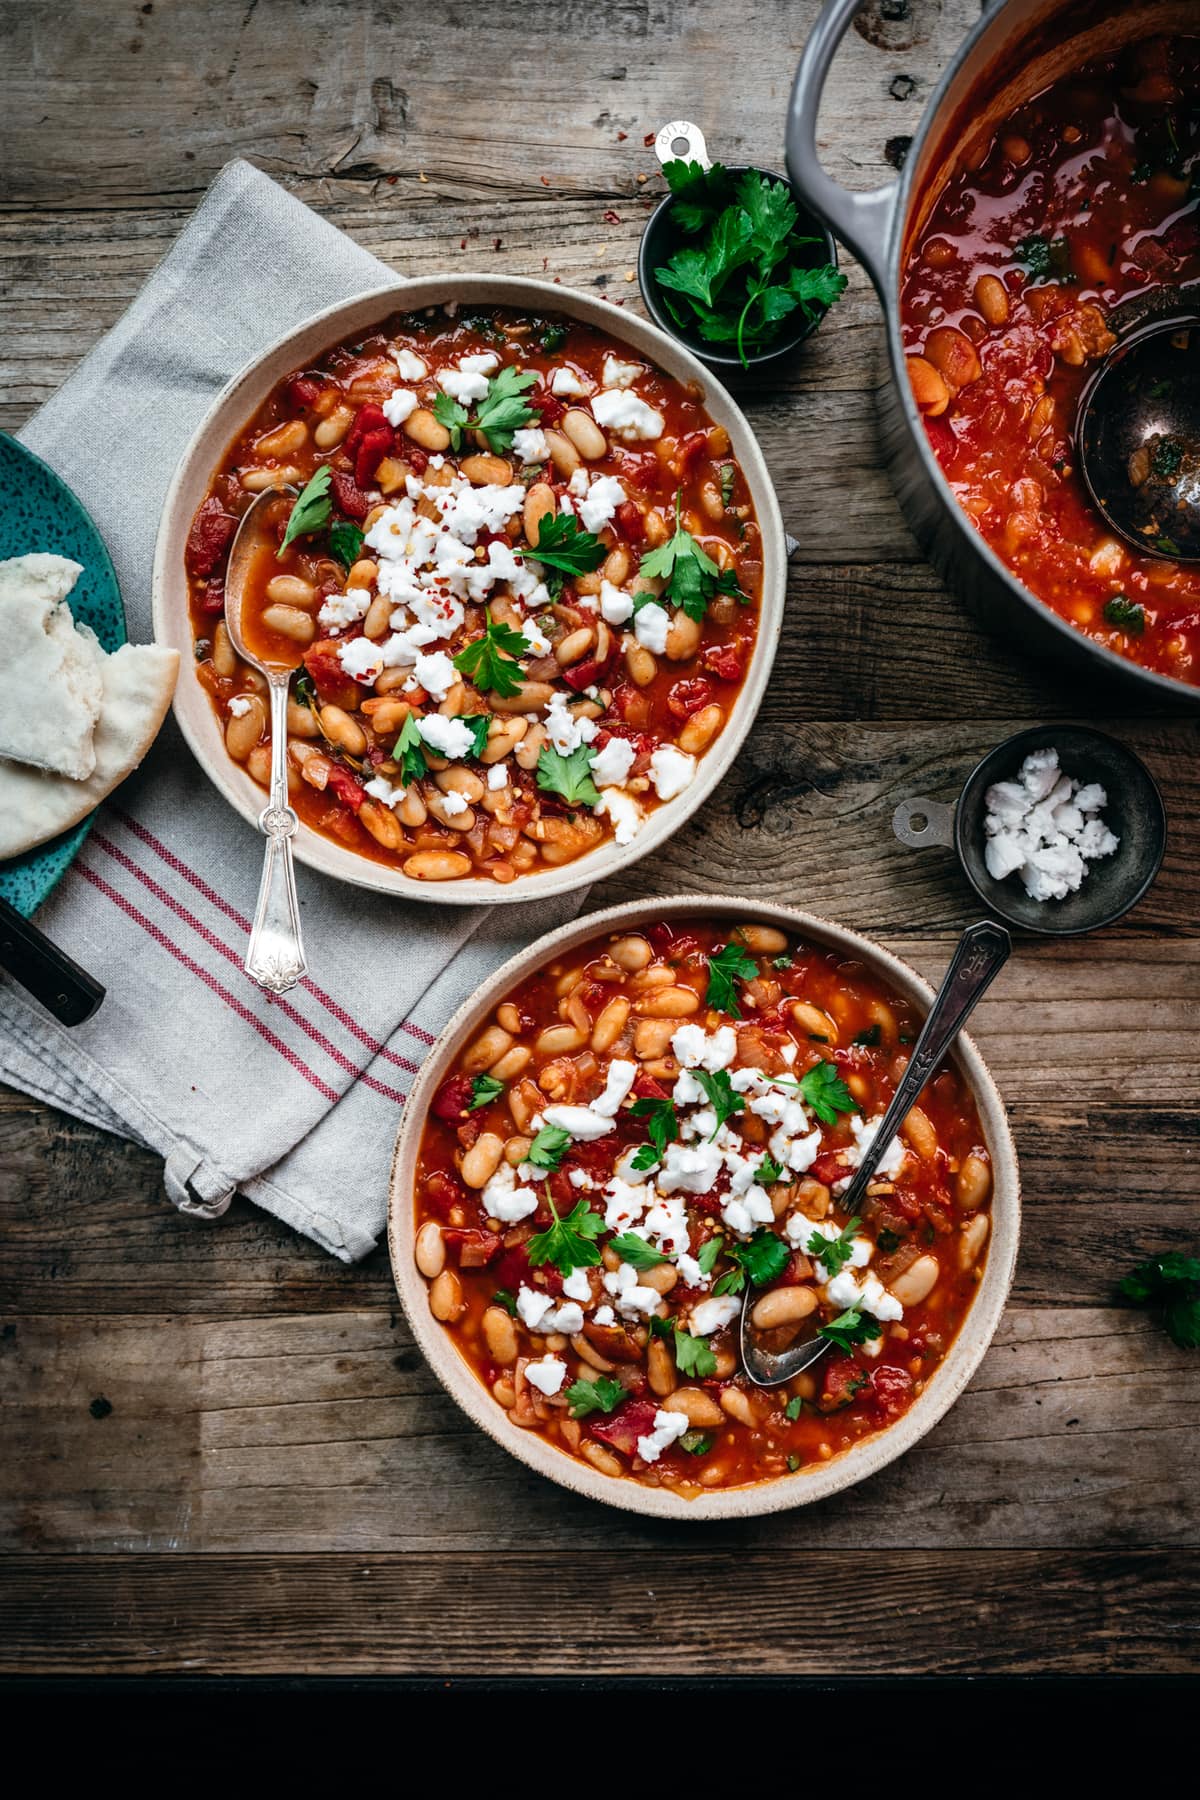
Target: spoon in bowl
(275, 956)
(982, 951)
(1138, 436)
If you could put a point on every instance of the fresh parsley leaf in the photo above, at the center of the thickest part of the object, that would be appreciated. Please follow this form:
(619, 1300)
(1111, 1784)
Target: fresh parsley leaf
(710, 1249)
(868, 1038)
(454, 417)
(636, 1251)
(690, 575)
(553, 339)
(408, 752)
(303, 691)
(794, 1408)
(836, 1252)
(888, 1240)
(1044, 259)
(484, 1089)
(731, 1282)
(1128, 615)
(570, 776)
(731, 963)
(1166, 458)
(662, 1125)
(783, 962)
(728, 477)
(793, 1463)
(743, 277)
(564, 545)
(477, 724)
(823, 1089)
(764, 1257)
(504, 409)
(722, 1096)
(601, 1395)
(549, 1147)
(850, 1328)
(768, 1171)
(696, 1443)
(312, 510)
(346, 541)
(503, 1298)
(1172, 1283)
(491, 661)
(567, 1243)
(693, 1355)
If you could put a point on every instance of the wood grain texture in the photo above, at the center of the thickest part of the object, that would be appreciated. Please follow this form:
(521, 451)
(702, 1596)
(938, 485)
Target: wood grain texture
(223, 1451)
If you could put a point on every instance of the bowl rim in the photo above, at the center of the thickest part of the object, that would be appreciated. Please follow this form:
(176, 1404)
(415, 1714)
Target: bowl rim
(232, 406)
(716, 359)
(1012, 747)
(803, 1488)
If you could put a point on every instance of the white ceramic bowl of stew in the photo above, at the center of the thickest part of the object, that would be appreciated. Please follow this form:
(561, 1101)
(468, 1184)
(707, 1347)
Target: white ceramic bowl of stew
(229, 415)
(817, 1480)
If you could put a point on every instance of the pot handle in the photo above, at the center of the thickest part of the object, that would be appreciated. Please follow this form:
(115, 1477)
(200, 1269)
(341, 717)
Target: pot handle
(862, 221)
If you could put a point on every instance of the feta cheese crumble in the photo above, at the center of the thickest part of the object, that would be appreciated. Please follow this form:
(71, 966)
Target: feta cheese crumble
(622, 413)
(239, 706)
(547, 1375)
(1046, 828)
(667, 1427)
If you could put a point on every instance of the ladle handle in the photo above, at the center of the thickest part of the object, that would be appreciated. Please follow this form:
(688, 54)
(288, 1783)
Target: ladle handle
(982, 952)
(275, 958)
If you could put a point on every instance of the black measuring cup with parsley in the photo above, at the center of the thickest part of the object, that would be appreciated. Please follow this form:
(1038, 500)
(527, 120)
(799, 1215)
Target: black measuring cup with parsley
(732, 263)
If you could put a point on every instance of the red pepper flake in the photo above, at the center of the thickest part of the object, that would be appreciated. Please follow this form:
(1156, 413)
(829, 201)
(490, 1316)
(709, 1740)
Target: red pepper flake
(621, 136)
(545, 181)
(649, 138)
(462, 243)
(613, 218)
(392, 180)
(496, 242)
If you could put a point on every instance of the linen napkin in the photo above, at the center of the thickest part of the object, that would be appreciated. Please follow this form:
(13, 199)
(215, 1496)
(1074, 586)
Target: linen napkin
(294, 1100)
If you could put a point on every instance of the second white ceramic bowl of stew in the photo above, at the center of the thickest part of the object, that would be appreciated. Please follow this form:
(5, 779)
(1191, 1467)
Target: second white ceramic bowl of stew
(832, 961)
(229, 416)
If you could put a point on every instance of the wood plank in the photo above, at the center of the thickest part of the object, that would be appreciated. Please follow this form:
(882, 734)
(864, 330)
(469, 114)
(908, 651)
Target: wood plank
(904, 1613)
(326, 1431)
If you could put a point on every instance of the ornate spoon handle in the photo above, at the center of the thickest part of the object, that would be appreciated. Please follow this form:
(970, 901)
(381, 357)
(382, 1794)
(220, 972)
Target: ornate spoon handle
(275, 958)
(982, 952)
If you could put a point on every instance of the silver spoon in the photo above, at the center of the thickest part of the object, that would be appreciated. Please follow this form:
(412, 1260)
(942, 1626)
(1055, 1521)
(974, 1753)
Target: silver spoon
(1138, 436)
(982, 952)
(275, 957)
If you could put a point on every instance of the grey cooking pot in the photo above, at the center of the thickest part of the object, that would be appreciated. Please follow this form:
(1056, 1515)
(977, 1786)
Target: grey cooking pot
(1016, 49)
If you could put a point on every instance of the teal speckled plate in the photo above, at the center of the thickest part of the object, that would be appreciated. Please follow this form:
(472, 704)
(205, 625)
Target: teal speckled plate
(39, 512)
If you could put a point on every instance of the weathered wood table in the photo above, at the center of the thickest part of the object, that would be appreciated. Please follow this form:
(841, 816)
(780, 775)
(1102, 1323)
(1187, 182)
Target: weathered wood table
(222, 1451)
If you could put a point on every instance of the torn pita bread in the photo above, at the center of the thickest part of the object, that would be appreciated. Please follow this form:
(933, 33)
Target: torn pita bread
(50, 681)
(138, 681)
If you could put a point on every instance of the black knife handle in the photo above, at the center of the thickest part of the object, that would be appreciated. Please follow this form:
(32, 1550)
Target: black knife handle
(45, 971)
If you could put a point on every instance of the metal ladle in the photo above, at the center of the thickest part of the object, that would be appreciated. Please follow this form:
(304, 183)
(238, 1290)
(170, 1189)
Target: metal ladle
(982, 951)
(275, 956)
(1137, 436)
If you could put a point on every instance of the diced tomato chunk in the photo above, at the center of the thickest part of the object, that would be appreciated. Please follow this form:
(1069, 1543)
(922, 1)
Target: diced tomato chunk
(687, 697)
(329, 678)
(630, 1422)
(347, 497)
(629, 523)
(209, 539)
(726, 661)
(548, 405)
(829, 1167)
(452, 1099)
(694, 447)
(475, 1248)
(442, 1192)
(302, 390)
(348, 789)
(891, 1391)
(588, 673)
(645, 1087)
(371, 451)
(512, 1268)
(212, 600)
(843, 1379)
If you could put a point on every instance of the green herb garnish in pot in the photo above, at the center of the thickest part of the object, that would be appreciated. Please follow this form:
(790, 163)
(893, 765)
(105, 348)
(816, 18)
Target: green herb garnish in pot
(741, 275)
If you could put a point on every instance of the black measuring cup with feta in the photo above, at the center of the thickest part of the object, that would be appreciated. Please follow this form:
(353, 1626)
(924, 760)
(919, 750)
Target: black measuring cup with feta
(1059, 830)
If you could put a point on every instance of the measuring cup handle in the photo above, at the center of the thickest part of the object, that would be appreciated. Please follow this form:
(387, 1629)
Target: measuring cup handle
(923, 824)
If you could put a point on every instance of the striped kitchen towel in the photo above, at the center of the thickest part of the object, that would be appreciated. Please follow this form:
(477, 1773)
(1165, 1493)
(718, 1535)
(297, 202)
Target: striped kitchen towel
(293, 1100)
